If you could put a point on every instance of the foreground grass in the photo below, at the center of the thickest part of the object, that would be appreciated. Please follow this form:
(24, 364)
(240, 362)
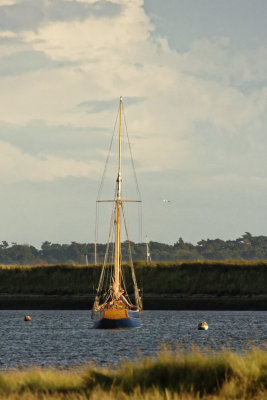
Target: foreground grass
(170, 376)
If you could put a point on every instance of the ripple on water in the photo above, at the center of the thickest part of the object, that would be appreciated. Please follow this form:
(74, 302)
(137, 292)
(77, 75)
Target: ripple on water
(67, 337)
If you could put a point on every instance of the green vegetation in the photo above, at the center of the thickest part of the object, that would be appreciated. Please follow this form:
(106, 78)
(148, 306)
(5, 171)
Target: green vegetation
(164, 285)
(170, 376)
(204, 277)
(183, 278)
(246, 247)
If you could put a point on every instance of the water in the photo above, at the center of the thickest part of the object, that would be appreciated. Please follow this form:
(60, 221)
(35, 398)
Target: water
(67, 338)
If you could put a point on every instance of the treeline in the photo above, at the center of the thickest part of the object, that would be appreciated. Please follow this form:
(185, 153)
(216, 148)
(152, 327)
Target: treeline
(246, 247)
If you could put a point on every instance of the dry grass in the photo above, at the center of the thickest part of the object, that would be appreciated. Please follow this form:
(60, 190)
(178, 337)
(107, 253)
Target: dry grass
(171, 376)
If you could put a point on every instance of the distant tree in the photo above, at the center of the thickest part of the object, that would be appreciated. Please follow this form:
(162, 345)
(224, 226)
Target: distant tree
(246, 247)
(46, 246)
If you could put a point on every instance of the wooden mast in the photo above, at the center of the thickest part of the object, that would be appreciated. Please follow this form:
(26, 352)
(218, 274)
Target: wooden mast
(117, 221)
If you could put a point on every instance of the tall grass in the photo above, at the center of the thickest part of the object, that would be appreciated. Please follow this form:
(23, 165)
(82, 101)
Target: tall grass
(178, 375)
(191, 277)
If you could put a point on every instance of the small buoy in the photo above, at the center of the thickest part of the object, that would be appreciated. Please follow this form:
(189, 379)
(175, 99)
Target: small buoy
(27, 318)
(203, 326)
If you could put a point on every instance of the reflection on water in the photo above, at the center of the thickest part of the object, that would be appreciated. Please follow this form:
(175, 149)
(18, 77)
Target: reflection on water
(68, 338)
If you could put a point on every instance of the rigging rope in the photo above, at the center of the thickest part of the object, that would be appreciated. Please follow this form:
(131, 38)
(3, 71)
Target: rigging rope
(135, 178)
(103, 178)
(136, 291)
(102, 276)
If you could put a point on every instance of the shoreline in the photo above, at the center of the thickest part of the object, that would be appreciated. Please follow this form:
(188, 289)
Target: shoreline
(150, 301)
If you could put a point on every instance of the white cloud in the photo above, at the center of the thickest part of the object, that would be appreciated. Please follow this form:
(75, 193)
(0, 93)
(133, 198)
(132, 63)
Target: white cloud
(95, 37)
(118, 56)
(18, 166)
(7, 34)
(9, 2)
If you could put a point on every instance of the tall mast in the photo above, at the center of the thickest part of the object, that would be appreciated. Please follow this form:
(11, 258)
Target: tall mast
(118, 216)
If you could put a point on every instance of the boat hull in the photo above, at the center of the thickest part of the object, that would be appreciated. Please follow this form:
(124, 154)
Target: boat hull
(131, 319)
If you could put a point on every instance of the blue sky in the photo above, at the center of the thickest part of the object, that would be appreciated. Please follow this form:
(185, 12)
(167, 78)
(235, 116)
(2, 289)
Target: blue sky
(193, 75)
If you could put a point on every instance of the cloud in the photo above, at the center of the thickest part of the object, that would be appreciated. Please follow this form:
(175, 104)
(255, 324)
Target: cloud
(24, 62)
(9, 2)
(7, 34)
(64, 141)
(80, 65)
(37, 12)
(212, 58)
(196, 118)
(91, 38)
(99, 106)
(18, 166)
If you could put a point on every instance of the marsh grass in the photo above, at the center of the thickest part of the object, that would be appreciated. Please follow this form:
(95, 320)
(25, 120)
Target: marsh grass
(170, 376)
(230, 277)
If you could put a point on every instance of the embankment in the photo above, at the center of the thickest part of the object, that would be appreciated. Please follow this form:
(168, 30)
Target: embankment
(238, 285)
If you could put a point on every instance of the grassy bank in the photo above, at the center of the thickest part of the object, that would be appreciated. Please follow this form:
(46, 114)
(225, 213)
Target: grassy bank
(179, 375)
(184, 285)
(189, 278)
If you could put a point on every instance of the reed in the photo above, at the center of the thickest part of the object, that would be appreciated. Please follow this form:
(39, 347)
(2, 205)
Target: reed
(171, 375)
(190, 277)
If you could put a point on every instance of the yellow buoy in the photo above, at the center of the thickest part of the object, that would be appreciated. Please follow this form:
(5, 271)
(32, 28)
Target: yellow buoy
(203, 326)
(27, 318)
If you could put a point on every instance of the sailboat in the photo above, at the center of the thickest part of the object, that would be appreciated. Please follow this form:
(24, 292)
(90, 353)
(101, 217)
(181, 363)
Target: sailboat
(113, 307)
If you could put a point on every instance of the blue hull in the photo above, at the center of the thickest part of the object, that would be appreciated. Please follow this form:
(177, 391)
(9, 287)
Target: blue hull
(122, 323)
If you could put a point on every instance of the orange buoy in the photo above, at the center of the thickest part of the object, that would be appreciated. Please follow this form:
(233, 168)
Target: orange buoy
(27, 318)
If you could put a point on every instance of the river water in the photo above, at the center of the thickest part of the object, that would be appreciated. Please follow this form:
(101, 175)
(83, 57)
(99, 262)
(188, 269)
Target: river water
(66, 338)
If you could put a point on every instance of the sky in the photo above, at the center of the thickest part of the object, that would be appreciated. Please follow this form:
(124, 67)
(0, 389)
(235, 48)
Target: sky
(193, 76)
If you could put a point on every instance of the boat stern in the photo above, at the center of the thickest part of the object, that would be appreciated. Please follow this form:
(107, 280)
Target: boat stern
(113, 318)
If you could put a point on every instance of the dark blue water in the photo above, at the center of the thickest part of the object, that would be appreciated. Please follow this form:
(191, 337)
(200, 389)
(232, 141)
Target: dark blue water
(67, 338)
